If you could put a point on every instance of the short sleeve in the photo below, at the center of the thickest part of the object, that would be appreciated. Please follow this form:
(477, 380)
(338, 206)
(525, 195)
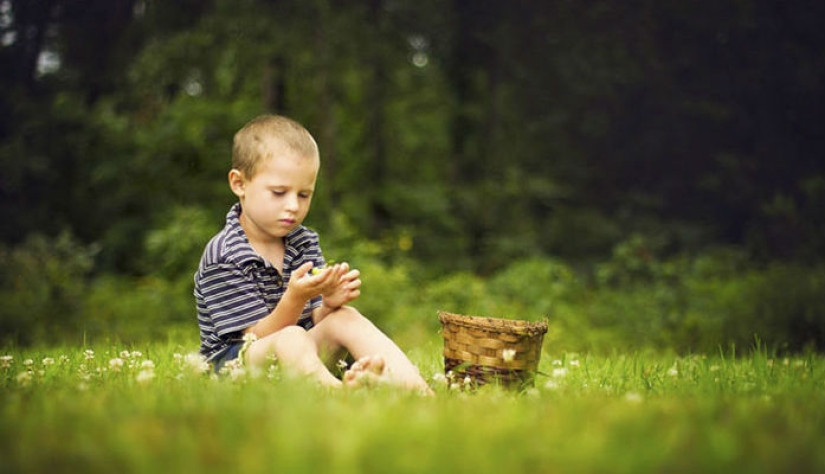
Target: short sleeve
(231, 298)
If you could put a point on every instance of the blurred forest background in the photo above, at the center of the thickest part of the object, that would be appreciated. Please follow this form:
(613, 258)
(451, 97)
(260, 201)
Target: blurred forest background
(642, 174)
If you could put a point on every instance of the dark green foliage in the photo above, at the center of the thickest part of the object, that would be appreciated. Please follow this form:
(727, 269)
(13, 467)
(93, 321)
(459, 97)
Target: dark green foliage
(709, 301)
(463, 142)
(43, 286)
(482, 140)
(697, 304)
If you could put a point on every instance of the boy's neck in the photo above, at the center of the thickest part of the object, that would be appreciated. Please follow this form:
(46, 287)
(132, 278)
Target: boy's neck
(272, 251)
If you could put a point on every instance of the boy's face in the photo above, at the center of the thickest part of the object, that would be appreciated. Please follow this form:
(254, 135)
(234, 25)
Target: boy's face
(277, 198)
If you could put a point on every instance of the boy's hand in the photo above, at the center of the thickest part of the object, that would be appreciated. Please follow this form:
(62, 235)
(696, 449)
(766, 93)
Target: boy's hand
(306, 284)
(346, 287)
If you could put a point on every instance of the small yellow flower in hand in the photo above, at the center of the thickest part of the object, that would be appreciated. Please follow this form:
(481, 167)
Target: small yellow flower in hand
(318, 270)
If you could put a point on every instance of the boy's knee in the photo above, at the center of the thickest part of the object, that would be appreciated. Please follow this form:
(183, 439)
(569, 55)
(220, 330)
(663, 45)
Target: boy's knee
(291, 332)
(292, 336)
(348, 315)
(289, 339)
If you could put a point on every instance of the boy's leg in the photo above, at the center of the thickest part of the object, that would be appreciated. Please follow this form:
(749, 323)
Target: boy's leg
(346, 328)
(296, 351)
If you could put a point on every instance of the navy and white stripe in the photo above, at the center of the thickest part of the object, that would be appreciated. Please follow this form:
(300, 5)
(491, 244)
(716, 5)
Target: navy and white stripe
(235, 286)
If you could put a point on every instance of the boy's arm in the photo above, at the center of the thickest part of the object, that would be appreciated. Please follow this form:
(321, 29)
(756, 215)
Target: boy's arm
(286, 313)
(346, 290)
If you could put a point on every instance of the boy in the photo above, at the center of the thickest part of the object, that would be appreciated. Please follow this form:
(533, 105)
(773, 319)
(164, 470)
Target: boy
(262, 288)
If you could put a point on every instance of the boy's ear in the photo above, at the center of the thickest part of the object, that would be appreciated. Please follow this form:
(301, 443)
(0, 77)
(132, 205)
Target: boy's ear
(236, 182)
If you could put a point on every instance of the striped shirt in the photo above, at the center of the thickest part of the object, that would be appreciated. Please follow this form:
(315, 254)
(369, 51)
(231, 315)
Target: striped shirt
(235, 286)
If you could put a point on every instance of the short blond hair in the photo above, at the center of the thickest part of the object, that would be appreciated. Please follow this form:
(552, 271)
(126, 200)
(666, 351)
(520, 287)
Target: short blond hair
(260, 138)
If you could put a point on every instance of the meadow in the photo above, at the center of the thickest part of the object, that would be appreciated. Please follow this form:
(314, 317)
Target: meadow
(155, 408)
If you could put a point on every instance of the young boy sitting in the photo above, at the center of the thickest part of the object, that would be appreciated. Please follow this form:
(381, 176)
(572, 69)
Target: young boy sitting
(262, 288)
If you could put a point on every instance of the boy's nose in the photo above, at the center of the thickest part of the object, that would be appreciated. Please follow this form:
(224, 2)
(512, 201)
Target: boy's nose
(292, 202)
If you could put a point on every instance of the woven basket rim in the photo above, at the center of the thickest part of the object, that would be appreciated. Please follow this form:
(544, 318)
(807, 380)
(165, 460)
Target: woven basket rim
(515, 326)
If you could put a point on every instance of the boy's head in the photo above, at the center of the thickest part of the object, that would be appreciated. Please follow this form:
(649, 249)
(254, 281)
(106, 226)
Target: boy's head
(274, 167)
(264, 137)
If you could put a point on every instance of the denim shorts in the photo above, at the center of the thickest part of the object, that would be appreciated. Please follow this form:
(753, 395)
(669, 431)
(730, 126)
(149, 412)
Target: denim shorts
(229, 354)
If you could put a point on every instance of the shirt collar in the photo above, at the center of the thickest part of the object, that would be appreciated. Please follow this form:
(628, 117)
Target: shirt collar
(243, 250)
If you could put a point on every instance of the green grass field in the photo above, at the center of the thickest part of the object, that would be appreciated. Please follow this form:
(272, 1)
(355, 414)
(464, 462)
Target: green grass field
(149, 409)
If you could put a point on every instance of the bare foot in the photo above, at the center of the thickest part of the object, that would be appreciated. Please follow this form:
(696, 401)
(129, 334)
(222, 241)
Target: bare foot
(366, 371)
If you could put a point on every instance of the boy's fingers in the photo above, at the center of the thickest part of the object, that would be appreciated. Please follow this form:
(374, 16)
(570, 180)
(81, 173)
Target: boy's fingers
(303, 269)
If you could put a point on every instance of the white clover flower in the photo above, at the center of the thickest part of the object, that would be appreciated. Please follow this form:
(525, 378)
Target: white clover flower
(440, 378)
(196, 362)
(559, 373)
(508, 355)
(28, 362)
(551, 385)
(574, 363)
(557, 363)
(125, 354)
(234, 369)
(633, 397)
(63, 359)
(5, 361)
(23, 378)
(89, 354)
(237, 373)
(136, 354)
(147, 365)
(272, 372)
(116, 364)
(48, 361)
(145, 376)
(468, 381)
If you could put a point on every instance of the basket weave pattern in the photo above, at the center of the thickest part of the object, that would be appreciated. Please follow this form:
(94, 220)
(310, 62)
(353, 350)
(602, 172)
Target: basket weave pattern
(492, 349)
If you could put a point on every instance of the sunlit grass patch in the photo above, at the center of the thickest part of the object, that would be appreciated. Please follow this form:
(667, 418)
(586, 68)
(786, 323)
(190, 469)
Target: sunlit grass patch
(159, 409)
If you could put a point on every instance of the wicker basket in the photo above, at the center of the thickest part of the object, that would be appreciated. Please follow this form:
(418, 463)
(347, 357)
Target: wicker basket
(491, 349)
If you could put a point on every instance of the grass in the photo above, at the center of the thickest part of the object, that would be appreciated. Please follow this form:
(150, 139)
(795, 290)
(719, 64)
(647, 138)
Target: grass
(147, 409)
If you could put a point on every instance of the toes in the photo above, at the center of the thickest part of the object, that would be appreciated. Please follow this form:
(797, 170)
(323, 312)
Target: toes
(350, 378)
(366, 371)
(374, 364)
